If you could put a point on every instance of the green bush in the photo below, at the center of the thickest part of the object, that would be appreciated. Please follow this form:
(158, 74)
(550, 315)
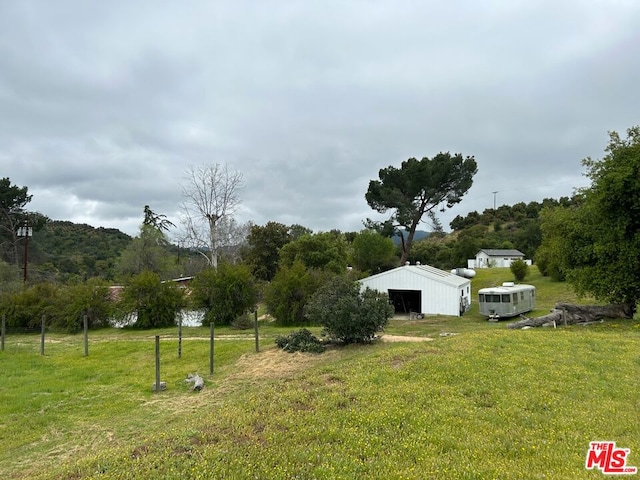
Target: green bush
(347, 314)
(520, 269)
(226, 293)
(91, 298)
(155, 303)
(243, 322)
(300, 341)
(289, 292)
(25, 308)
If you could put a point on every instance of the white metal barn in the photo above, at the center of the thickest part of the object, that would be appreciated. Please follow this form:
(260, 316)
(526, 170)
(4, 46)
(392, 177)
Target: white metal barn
(423, 289)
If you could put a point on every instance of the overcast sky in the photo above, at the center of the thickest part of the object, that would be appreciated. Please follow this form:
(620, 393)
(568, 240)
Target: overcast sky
(104, 105)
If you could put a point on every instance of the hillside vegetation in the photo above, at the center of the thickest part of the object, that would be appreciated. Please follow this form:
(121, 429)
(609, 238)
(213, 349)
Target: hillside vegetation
(66, 251)
(76, 249)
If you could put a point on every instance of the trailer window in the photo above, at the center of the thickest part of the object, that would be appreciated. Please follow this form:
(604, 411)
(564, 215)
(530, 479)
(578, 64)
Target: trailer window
(521, 295)
(506, 298)
(515, 298)
(489, 297)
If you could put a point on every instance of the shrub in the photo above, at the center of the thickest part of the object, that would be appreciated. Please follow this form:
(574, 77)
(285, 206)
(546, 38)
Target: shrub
(300, 341)
(347, 314)
(155, 303)
(520, 269)
(225, 293)
(73, 302)
(243, 322)
(25, 308)
(289, 292)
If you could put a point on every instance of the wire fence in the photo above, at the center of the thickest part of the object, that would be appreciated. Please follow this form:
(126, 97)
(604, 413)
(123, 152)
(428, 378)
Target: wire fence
(42, 330)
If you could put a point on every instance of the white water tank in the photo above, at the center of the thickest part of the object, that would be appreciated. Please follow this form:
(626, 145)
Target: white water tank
(464, 272)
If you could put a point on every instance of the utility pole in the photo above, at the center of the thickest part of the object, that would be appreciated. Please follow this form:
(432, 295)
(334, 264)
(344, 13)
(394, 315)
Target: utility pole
(25, 231)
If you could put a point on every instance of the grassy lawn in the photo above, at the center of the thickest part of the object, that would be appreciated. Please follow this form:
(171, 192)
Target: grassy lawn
(485, 403)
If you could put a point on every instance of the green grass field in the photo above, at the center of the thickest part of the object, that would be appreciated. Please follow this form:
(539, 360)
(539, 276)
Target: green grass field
(486, 403)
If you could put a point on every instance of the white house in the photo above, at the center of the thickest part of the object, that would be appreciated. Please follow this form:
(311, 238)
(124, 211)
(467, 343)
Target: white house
(423, 289)
(488, 257)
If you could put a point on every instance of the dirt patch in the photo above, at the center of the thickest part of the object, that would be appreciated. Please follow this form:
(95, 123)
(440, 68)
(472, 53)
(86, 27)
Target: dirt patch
(403, 338)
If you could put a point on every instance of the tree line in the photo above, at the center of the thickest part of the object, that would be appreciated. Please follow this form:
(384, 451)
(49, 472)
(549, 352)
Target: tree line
(590, 239)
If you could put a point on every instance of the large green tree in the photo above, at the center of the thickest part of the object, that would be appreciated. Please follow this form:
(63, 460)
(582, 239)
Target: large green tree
(371, 252)
(417, 188)
(321, 251)
(149, 250)
(557, 227)
(600, 247)
(263, 248)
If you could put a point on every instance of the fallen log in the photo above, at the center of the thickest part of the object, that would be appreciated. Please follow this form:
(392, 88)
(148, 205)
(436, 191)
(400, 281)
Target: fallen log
(569, 314)
(197, 380)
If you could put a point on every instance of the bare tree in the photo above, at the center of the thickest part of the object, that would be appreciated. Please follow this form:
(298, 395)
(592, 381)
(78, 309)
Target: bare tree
(232, 236)
(210, 201)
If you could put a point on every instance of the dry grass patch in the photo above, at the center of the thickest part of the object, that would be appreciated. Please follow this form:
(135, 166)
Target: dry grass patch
(276, 363)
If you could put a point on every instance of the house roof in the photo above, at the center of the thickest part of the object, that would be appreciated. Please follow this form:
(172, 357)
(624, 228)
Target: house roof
(426, 271)
(502, 252)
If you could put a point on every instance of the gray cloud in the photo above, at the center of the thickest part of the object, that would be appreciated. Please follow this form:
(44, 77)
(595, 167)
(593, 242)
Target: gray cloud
(106, 104)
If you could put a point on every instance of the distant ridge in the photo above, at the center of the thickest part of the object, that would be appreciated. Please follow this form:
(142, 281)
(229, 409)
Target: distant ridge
(419, 235)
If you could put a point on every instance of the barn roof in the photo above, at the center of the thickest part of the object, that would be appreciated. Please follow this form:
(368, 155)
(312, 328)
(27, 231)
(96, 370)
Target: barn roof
(425, 271)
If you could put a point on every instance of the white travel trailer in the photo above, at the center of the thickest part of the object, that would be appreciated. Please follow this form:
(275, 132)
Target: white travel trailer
(507, 300)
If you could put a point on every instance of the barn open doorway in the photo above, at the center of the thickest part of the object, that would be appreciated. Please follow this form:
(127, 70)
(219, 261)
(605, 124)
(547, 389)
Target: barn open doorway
(406, 301)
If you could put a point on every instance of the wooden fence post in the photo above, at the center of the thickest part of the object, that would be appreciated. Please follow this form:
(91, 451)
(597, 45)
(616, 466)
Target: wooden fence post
(180, 336)
(255, 328)
(157, 384)
(211, 338)
(85, 323)
(42, 336)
